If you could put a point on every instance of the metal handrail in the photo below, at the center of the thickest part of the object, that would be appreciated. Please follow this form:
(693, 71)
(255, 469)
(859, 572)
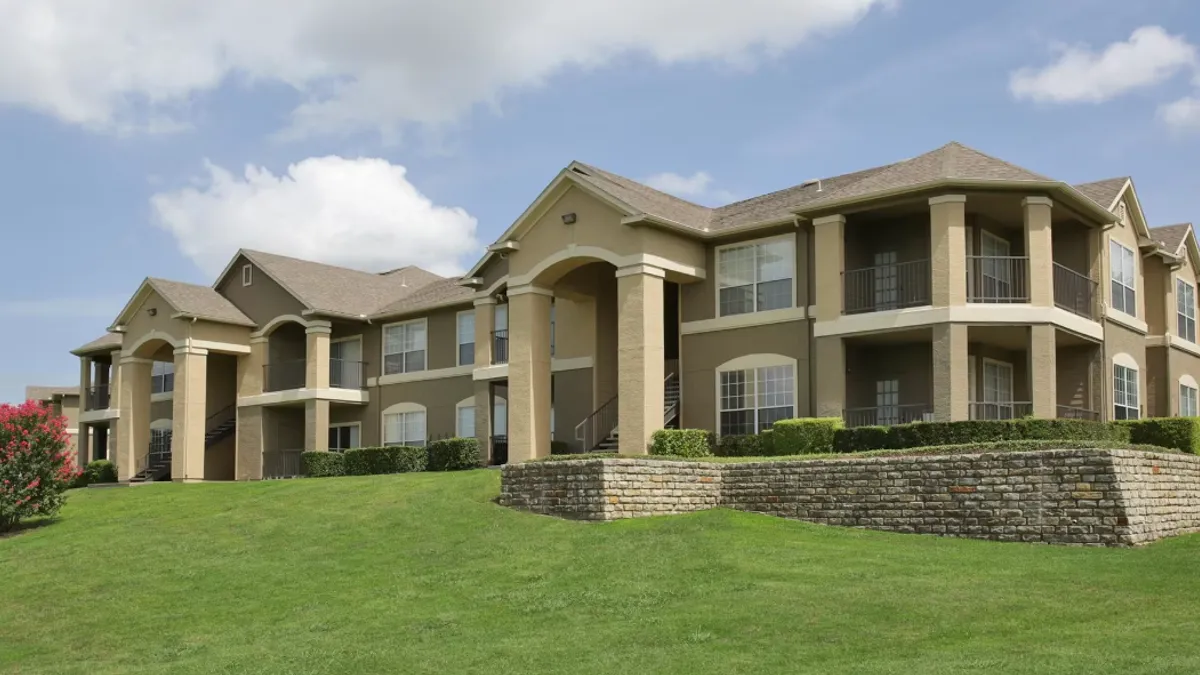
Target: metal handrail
(1069, 412)
(347, 374)
(97, 397)
(999, 279)
(883, 287)
(499, 346)
(671, 394)
(1000, 410)
(284, 375)
(597, 426)
(887, 415)
(1074, 292)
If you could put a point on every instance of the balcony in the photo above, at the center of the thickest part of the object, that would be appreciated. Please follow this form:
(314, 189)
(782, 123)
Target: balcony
(884, 287)
(1000, 410)
(1067, 412)
(97, 397)
(887, 415)
(344, 374)
(499, 347)
(997, 279)
(1074, 292)
(285, 375)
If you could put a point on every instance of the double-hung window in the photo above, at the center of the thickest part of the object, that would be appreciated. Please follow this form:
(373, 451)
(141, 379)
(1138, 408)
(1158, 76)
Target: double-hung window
(162, 377)
(406, 427)
(464, 419)
(1188, 406)
(343, 437)
(404, 347)
(1123, 273)
(466, 338)
(1185, 299)
(755, 398)
(755, 277)
(1125, 393)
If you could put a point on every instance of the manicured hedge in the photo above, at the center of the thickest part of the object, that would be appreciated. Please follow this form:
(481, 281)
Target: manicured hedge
(100, 471)
(931, 434)
(681, 443)
(560, 447)
(804, 436)
(319, 464)
(454, 454)
(743, 446)
(1178, 433)
(388, 459)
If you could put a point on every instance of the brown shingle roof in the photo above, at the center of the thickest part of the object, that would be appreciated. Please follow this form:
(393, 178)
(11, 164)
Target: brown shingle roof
(779, 205)
(1103, 192)
(440, 292)
(202, 302)
(645, 198)
(340, 290)
(1171, 236)
(35, 392)
(104, 343)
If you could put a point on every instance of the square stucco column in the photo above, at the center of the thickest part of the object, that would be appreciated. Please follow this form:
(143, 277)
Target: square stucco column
(528, 373)
(316, 356)
(483, 418)
(830, 242)
(84, 437)
(1043, 370)
(948, 249)
(640, 356)
(485, 322)
(189, 414)
(133, 426)
(1096, 244)
(316, 426)
(951, 379)
(250, 368)
(250, 443)
(1040, 250)
(830, 392)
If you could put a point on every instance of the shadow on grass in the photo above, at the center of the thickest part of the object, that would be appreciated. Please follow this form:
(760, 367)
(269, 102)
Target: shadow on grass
(27, 526)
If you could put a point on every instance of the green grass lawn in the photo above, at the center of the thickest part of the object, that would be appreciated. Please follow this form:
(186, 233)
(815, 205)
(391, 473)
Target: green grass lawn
(423, 573)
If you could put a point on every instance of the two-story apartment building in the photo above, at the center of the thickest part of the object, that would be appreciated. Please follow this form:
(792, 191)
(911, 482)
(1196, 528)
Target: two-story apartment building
(948, 286)
(63, 401)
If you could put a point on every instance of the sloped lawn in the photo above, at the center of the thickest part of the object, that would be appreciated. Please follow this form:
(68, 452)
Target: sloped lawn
(423, 573)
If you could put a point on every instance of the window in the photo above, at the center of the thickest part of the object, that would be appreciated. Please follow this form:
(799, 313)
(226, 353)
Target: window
(160, 439)
(345, 363)
(887, 402)
(886, 289)
(1187, 401)
(404, 347)
(1125, 393)
(997, 392)
(755, 398)
(466, 337)
(404, 424)
(500, 417)
(1185, 299)
(1124, 278)
(247, 275)
(755, 277)
(343, 437)
(162, 377)
(464, 419)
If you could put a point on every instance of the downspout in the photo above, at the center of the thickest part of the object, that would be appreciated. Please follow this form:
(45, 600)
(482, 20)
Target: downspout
(809, 321)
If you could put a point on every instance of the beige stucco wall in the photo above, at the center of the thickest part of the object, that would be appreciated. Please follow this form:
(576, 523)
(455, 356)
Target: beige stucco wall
(702, 353)
(1124, 234)
(698, 300)
(1074, 386)
(1119, 339)
(1159, 284)
(1181, 363)
(438, 396)
(572, 402)
(1160, 400)
(261, 301)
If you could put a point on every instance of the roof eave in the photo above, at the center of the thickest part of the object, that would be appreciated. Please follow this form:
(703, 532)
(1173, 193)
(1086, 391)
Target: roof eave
(422, 309)
(212, 319)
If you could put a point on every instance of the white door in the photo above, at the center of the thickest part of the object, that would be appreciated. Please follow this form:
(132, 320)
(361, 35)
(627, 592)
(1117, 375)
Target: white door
(345, 364)
(996, 274)
(887, 293)
(997, 390)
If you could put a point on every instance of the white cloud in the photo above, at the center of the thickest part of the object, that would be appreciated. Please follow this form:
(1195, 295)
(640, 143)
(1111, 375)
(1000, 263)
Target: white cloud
(697, 187)
(1183, 114)
(1149, 57)
(124, 65)
(360, 213)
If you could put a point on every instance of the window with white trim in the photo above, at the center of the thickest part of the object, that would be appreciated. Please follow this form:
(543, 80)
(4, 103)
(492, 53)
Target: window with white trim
(1185, 301)
(1123, 273)
(247, 275)
(404, 347)
(343, 437)
(162, 377)
(464, 419)
(1188, 401)
(887, 290)
(755, 398)
(1125, 393)
(404, 426)
(887, 402)
(466, 337)
(755, 277)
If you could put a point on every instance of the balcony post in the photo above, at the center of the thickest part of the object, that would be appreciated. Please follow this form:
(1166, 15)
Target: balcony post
(640, 356)
(485, 320)
(528, 373)
(133, 425)
(316, 355)
(249, 443)
(1039, 250)
(251, 370)
(316, 425)
(951, 378)
(1096, 247)
(948, 249)
(1043, 370)
(189, 413)
(82, 445)
(483, 417)
(831, 377)
(830, 264)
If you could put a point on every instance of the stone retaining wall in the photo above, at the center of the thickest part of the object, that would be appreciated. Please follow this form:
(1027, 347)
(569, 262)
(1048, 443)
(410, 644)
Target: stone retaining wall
(1082, 497)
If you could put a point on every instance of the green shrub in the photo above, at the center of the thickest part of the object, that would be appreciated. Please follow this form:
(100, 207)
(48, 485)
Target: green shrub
(1178, 433)
(560, 448)
(387, 459)
(100, 471)
(454, 454)
(804, 436)
(318, 464)
(739, 446)
(930, 434)
(681, 443)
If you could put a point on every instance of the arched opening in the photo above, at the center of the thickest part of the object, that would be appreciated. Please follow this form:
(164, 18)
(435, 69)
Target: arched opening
(286, 364)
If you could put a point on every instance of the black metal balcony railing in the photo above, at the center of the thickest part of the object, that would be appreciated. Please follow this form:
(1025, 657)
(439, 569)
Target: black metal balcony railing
(97, 397)
(887, 415)
(499, 347)
(884, 287)
(1074, 292)
(1067, 412)
(344, 374)
(1003, 410)
(999, 279)
(281, 463)
(284, 375)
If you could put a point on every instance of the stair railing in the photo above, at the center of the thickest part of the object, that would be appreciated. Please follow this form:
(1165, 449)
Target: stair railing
(671, 394)
(220, 417)
(598, 426)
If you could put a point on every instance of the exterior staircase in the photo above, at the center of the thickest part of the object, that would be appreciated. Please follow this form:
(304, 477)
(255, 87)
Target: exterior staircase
(591, 430)
(217, 428)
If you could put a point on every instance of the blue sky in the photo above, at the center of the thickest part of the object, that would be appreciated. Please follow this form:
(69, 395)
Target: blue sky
(417, 135)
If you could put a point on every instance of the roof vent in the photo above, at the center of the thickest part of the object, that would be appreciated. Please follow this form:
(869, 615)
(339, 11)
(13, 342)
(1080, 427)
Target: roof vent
(815, 181)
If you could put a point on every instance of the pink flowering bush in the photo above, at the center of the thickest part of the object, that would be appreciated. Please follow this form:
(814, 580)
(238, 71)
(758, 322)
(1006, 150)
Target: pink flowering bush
(36, 467)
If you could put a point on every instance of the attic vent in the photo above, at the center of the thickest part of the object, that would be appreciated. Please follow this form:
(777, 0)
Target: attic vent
(815, 181)
(579, 171)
